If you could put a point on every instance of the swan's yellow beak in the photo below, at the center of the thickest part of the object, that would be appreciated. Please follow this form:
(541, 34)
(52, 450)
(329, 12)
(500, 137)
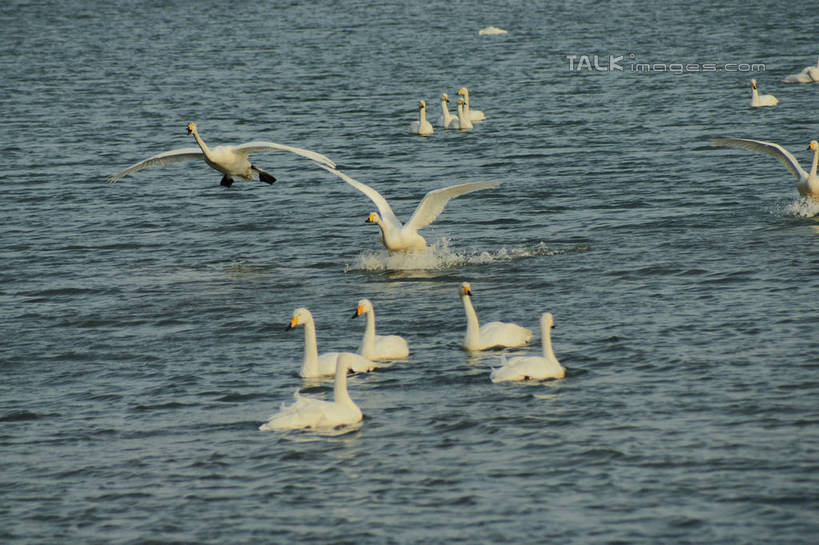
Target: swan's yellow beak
(359, 310)
(294, 321)
(191, 127)
(370, 218)
(468, 290)
(812, 146)
(753, 84)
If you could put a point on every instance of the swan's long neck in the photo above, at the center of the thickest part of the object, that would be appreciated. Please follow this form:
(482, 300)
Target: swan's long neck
(368, 343)
(445, 110)
(340, 394)
(422, 116)
(546, 334)
(310, 364)
(473, 328)
(204, 147)
(754, 96)
(815, 162)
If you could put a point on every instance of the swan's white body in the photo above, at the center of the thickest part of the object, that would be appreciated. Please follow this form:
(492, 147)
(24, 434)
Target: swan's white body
(312, 413)
(807, 183)
(397, 237)
(491, 335)
(446, 118)
(809, 74)
(758, 100)
(533, 367)
(324, 365)
(422, 126)
(472, 115)
(232, 161)
(379, 347)
(461, 122)
(491, 31)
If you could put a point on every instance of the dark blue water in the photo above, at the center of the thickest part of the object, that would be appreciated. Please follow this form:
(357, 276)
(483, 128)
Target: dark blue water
(143, 322)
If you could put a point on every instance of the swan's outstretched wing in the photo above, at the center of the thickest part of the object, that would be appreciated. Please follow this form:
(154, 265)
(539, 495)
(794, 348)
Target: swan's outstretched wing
(381, 203)
(435, 201)
(250, 147)
(173, 156)
(774, 150)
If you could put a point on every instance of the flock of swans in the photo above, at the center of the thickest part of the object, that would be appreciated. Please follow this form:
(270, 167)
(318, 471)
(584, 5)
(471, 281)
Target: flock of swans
(463, 121)
(807, 183)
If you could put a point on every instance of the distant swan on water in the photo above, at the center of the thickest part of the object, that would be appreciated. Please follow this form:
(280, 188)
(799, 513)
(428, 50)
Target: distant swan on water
(533, 367)
(492, 334)
(461, 122)
(378, 347)
(807, 183)
(471, 115)
(758, 100)
(397, 237)
(231, 161)
(491, 31)
(312, 413)
(422, 126)
(446, 117)
(809, 74)
(315, 365)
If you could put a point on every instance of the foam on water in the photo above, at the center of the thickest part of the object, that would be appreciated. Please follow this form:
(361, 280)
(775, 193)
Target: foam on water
(803, 208)
(440, 256)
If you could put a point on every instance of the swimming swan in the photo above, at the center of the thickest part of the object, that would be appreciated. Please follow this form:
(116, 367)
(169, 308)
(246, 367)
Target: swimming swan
(312, 413)
(806, 183)
(378, 347)
(472, 115)
(405, 238)
(533, 367)
(492, 31)
(809, 74)
(232, 161)
(422, 126)
(491, 335)
(461, 122)
(761, 100)
(446, 118)
(315, 365)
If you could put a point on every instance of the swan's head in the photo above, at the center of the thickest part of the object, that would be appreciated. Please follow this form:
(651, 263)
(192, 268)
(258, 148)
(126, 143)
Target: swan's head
(753, 84)
(814, 145)
(191, 128)
(462, 91)
(445, 97)
(465, 289)
(373, 218)
(422, 105)
(547, 321)
(300, 317)
(363, 307)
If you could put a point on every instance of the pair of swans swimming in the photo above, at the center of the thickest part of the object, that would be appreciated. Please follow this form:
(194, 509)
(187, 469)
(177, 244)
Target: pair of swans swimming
(758, 100)
(807, 183)
(466, 115)
(809, 74)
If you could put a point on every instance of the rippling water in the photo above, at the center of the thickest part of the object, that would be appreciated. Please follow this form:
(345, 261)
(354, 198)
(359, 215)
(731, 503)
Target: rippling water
(143, 322)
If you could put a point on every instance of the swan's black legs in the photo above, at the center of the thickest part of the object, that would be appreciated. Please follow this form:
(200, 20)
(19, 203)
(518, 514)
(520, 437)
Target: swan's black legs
(227, 181)
(264, 176)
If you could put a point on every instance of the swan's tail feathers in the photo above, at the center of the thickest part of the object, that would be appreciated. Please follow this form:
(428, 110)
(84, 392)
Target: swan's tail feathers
(264, 176)
(227, 181)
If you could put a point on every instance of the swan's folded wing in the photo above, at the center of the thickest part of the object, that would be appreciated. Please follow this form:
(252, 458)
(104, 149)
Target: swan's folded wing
(251, 147)
(769, 148)
(173, 156)
(435, 201)
(380, 202)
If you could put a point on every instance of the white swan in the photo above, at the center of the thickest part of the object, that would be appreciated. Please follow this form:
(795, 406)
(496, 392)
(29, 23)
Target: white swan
(312, 413)
(807, 183)
(758, 100)
(446, 118)
(472, 115)
(315, 365)
(462, 122)
(422, 126)
(809, 74)
(232, 161)
(533, 367)
(397, 237)
(491, 31)
(491, 335)
(378, 347)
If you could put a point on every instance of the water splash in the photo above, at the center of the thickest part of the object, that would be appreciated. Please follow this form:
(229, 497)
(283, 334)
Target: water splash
(439, 256)
(805, 207)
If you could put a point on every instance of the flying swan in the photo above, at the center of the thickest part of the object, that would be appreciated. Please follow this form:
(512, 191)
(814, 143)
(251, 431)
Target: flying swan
(312, 413)
(491, 335)
(533, 367)
(315, 365)
(758, 100)
(378, 347)
(397, 237)
(806, 183)
(472, 115)
(422, 126)
(231, 161)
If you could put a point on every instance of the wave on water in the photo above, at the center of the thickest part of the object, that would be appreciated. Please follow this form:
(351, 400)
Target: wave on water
(439, 256)
(803, 208)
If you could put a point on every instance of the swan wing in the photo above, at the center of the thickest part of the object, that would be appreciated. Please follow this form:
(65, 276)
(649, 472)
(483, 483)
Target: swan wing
(251, 147)
(434, 202)
(173, 156)
(381, 203)
(774, 150)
